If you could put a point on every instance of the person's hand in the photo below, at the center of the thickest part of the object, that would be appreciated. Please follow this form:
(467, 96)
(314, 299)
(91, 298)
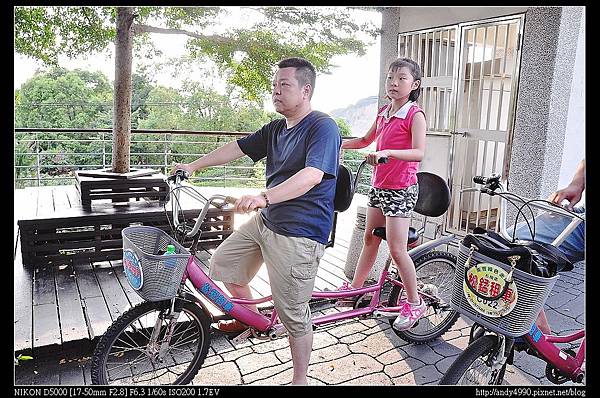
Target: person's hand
(571, 193)
(183, 166)
(373, 158)
(248, 203)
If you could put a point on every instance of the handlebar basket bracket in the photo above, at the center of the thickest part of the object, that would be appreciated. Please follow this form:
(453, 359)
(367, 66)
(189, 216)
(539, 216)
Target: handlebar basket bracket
(153, 276)
(529, 292)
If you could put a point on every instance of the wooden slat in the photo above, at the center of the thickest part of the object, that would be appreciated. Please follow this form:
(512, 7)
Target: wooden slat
(46, 329)
(25, 206)
(72, 319)
(132, 296)
(61, 199)
(71, 374)
(96, 313)
(98, 316)
(44, 289)
(45, 202)
(73, 196)
(112, 291)
(23, 304)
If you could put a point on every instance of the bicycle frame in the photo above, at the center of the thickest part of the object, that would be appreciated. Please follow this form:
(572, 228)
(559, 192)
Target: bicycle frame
(207, 287)
(545, 346)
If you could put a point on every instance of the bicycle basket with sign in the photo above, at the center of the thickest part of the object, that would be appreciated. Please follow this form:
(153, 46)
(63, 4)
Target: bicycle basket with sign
(152, 274)
(499, 294)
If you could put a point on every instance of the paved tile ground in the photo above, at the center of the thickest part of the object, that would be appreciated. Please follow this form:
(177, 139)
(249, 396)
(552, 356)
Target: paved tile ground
(356, 352)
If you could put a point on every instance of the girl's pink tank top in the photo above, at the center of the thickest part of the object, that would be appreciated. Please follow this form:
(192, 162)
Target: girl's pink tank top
(395, 133)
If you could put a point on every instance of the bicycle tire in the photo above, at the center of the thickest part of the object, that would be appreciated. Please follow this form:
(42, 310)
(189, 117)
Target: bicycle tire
(127, 330)
(481, 348)
(417, 334)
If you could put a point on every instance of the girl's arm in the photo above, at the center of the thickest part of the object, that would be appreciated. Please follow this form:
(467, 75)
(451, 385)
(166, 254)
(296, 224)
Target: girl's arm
(357, 143)
(418, 143)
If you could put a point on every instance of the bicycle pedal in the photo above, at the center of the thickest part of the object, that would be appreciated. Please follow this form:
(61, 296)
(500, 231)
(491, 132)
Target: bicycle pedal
(242, 337)
(384, 314)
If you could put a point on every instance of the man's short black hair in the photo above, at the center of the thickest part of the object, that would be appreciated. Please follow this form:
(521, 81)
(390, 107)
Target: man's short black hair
(305, 71)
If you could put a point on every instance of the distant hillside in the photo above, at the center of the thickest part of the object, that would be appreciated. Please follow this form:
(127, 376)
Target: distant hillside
(359, 116)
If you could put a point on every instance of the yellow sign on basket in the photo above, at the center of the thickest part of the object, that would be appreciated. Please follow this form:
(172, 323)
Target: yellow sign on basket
(488, 280)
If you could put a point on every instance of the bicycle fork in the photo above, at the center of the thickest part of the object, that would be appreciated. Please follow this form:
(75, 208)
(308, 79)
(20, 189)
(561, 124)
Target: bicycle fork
(171, 319)
(499, 356)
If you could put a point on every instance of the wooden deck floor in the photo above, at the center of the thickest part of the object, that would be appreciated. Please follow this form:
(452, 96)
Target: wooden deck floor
(74, 303)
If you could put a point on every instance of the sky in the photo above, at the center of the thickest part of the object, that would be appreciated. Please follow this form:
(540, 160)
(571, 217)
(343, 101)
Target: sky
(354, 77)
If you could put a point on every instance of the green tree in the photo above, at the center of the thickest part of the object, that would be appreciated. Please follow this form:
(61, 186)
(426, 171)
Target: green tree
(245, 55)
(62, 98)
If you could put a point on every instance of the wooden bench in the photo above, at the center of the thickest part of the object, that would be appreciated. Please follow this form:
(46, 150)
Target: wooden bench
(149, 187)
(95, 235)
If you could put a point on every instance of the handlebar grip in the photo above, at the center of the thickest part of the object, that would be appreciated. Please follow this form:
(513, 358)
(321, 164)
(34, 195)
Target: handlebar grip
(230, 199)
(480, 180)
(383, 160)
(182, 174)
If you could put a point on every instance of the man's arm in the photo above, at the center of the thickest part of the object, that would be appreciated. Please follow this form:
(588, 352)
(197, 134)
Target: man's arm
(295, 186)
(222, 155)
(573, 191)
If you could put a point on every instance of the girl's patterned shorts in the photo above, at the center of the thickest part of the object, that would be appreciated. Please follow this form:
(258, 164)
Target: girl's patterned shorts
(394, 202)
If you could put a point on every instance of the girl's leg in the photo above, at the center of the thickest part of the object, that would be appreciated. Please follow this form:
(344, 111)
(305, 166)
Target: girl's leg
(397, 238)
(368, 254)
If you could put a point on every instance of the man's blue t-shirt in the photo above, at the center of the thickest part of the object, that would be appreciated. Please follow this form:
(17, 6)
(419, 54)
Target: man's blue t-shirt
(314, 142)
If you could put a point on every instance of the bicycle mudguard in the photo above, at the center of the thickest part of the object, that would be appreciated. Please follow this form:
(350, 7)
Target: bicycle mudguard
(191, 298)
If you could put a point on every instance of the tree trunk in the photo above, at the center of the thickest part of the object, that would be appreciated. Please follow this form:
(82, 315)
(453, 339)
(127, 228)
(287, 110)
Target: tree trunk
(122, 92)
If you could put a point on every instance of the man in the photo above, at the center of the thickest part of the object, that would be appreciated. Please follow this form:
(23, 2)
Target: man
(290, 232)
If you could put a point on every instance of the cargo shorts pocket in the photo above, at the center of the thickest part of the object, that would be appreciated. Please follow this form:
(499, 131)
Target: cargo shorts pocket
(308, 264)
(306, 270)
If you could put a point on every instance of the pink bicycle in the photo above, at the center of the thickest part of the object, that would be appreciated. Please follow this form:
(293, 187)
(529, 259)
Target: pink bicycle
(496, 335)
(165, 339)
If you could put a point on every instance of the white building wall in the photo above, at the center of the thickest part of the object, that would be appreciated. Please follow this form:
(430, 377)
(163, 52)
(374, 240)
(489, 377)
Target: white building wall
(415, 18)
(574, 149)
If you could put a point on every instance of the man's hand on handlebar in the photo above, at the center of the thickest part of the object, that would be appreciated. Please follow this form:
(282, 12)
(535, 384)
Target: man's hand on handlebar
(248, 203)
(183, 166)
(570, 193)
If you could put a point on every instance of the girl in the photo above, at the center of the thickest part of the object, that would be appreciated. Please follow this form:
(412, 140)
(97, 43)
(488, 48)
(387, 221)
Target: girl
(400, 133)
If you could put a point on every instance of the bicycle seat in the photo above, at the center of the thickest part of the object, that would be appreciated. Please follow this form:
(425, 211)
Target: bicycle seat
(434, 195)
(412, 234)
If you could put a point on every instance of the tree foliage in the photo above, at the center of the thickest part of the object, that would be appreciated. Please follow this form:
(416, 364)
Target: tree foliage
(245, 55)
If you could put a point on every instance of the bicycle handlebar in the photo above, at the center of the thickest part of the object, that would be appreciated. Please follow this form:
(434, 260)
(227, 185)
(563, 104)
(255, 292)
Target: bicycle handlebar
(492, 184)
(178, 176)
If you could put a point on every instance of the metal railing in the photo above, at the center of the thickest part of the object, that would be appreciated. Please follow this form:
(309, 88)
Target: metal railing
(50, 156)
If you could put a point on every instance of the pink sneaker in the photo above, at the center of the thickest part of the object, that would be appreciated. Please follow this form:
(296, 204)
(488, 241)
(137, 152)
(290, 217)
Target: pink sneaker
(409, 315)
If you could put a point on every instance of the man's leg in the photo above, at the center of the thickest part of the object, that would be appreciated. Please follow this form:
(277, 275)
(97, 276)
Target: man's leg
(301, 348)
(235, 262)
(292, 265)
(542, 323)
(241, 291)
(548, 226)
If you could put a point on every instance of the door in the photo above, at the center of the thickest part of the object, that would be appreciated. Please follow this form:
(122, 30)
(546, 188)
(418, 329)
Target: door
(485, 105)
(436, 51)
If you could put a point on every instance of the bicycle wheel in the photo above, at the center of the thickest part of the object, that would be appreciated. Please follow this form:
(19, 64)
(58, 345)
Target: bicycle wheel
(473, 366)
(435, 275)
(136, 348)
